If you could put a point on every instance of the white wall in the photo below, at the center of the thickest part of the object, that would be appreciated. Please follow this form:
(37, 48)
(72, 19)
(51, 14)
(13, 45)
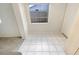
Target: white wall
(8, 27)
(56, 14)
(69, 18)
(72, 43)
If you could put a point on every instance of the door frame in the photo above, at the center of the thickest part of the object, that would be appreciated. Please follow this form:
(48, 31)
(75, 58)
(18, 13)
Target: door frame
(20, 15)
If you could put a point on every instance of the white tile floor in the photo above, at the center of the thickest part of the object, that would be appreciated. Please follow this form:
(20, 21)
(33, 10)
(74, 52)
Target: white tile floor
(52, 44)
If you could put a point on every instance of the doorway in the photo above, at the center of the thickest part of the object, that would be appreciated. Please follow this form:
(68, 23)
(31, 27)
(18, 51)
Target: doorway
(43, 35)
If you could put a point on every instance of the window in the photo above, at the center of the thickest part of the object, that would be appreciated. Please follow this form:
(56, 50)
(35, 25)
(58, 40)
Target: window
(39, 12)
